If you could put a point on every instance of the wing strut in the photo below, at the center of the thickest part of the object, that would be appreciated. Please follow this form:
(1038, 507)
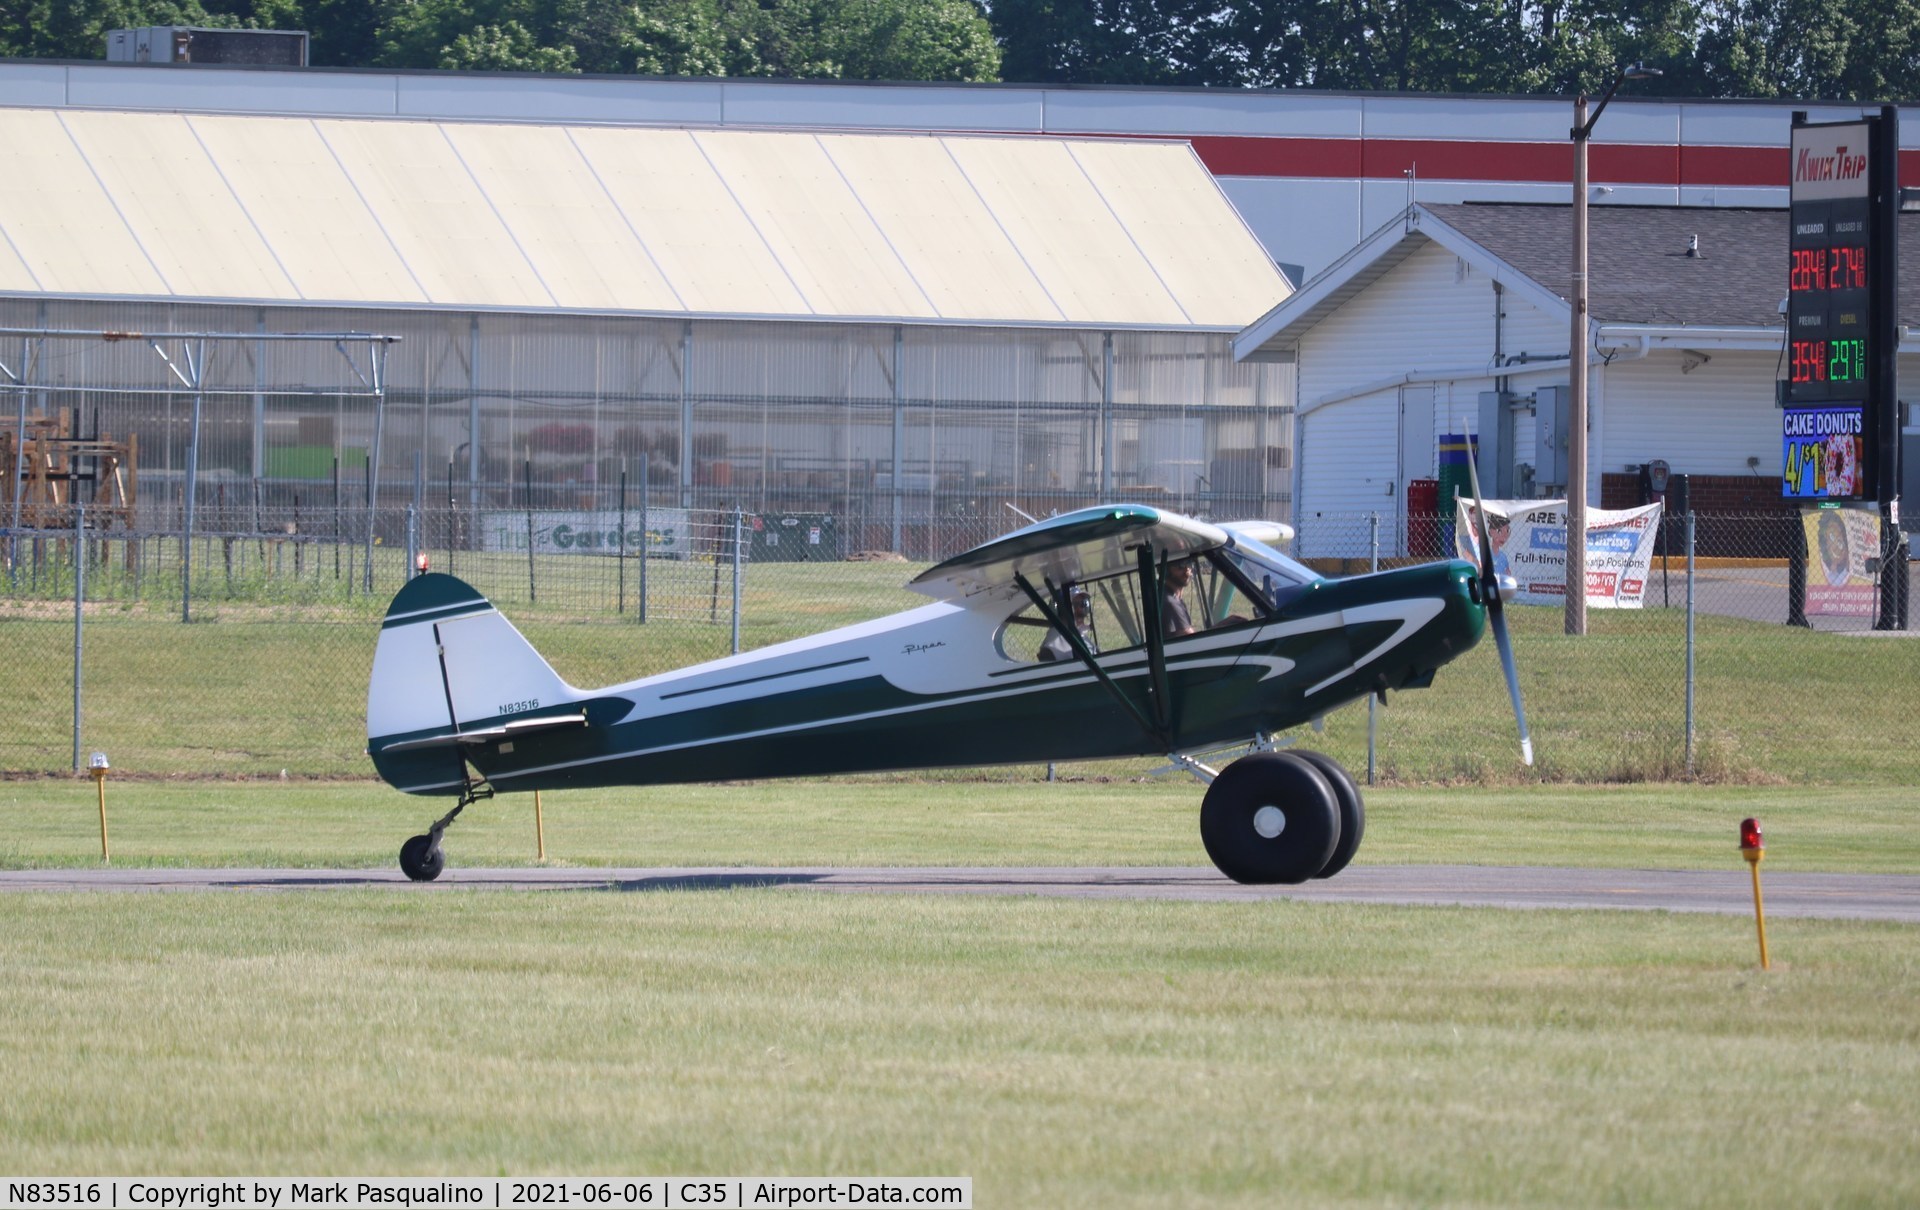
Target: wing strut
(1151, 603)
(1072, 634)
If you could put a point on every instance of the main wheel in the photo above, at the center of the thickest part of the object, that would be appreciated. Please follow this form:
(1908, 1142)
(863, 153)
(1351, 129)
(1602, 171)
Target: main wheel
(421, 859)
(1353, 813)
(1270, 817)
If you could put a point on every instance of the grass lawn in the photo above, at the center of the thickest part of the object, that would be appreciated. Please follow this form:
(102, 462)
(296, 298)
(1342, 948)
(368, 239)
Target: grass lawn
(1061, 1053)
(872, 821)
(265, 688)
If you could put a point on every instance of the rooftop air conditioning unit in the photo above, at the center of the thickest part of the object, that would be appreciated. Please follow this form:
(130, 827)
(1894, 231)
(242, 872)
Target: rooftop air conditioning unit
(194, 44)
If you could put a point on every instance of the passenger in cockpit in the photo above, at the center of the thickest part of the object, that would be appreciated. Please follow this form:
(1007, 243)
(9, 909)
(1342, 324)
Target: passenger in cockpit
(1056, 646)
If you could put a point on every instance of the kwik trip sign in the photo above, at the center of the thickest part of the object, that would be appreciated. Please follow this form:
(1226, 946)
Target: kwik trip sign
(1841, 273)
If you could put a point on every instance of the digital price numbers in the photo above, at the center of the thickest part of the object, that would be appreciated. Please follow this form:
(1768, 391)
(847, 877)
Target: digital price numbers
(1827, 306)
(1828, 339)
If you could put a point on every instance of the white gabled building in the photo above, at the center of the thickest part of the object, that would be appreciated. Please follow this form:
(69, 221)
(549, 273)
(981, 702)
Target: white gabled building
(1413, 334)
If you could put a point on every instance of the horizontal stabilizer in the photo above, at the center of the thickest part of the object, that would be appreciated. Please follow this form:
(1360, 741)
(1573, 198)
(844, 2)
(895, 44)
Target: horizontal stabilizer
(525, 726)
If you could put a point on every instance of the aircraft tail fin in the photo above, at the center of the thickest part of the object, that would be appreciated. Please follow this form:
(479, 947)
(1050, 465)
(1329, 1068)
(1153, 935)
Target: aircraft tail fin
(449, 671)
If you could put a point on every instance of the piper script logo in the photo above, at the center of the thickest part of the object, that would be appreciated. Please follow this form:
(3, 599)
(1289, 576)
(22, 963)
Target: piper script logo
(1842, 165)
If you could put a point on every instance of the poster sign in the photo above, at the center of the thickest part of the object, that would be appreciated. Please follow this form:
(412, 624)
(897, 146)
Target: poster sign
(1843, 547)
(1823, 452)
(1530, 544)
(589, 533)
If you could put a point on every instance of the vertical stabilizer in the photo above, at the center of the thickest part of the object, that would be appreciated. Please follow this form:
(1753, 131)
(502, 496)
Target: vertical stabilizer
(448, 663)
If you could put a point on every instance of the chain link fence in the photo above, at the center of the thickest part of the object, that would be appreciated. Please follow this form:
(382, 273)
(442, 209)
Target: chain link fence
(245, 651)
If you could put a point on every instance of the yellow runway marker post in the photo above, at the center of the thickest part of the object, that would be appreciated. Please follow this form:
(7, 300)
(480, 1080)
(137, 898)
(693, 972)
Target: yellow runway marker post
(539, 827)
(1753, 848)
(98, 767)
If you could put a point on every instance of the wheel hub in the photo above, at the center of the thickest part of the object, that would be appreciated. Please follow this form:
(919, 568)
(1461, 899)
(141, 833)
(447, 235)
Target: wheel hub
(1269, 821)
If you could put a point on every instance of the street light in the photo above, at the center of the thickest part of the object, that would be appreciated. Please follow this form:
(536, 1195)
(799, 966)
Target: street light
(1577, 361)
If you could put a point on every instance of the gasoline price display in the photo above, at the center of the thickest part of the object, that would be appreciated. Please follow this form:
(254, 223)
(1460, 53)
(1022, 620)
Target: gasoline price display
(1828, 342)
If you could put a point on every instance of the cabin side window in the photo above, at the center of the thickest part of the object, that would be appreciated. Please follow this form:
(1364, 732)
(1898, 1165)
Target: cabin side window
(1105, 611)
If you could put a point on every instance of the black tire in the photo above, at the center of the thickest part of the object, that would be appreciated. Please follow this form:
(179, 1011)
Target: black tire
(421, 859)
(1353, 812)
(1247, 841)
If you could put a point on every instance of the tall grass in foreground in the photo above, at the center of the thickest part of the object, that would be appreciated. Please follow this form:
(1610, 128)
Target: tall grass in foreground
(1060, 1053)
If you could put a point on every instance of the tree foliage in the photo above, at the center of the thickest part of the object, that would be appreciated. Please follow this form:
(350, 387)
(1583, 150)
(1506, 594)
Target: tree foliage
(1853, 50)
(861, 39)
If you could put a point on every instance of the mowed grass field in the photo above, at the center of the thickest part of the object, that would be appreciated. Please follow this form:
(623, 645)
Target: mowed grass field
(264, 689)
(1061, 1053)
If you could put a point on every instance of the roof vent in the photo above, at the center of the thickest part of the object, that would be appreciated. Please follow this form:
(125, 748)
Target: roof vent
(1693, 248)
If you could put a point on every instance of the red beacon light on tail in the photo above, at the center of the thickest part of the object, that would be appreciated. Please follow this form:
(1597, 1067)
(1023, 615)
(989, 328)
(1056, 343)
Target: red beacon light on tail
(420, 565)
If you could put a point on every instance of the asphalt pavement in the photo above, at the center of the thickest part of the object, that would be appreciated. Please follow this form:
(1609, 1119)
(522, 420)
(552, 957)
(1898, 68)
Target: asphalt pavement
(1842, 896)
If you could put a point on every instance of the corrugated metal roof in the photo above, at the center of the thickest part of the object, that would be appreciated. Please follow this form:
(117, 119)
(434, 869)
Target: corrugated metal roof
(940, 229)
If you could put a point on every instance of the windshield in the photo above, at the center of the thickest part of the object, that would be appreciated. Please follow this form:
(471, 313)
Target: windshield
(1278, 576)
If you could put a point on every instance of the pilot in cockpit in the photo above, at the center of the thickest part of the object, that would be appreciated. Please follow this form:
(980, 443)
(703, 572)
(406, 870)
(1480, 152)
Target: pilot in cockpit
(1056, 646)
(1174, 618)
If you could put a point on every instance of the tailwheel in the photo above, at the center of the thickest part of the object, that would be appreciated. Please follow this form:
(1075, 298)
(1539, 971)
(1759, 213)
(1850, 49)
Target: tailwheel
(421, 858)
(1270, 817)
(1353, 812)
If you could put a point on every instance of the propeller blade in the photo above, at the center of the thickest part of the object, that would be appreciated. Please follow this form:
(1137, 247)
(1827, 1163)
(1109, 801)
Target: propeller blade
(1505, 643)
(1496, 608)
(1480, 522)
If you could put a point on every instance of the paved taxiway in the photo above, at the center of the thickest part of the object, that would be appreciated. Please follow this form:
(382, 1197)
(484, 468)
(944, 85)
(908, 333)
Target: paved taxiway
(1850, 896)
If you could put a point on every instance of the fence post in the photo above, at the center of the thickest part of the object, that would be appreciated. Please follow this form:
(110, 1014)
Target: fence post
(373, 484)
(532, 593)
(193, 477)
(79, 596)
(739, 527)
(1796, 575)
(1373, 699)
(19, 478)
(620, 544)
(1890, 613)
(646, 539)
(1689, 642)
(453, 514)
(416, 514)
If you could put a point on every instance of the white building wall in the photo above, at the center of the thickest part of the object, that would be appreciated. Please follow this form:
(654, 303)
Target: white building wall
(1706, 421)
(1430, 312)
(1433, 313)
(1347, 456)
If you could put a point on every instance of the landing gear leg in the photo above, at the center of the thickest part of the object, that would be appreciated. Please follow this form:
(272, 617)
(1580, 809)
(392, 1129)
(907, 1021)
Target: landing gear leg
(421, 858)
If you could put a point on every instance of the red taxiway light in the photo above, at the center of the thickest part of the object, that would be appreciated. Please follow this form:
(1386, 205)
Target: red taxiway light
(1750, 837)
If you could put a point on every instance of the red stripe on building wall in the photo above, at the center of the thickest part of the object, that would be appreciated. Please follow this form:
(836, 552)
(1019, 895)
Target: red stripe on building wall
(1228, 155)
(1706, 165)
(1666, 165)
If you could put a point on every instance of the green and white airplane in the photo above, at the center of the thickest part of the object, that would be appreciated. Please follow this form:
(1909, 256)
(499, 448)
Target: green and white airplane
(1115, 631)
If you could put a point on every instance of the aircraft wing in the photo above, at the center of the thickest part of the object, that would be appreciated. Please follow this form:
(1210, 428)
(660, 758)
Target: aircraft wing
(1074, 546)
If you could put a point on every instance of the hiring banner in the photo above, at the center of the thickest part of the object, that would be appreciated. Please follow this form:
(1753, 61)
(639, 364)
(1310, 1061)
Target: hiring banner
(1530, 544)
(1841, 542)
